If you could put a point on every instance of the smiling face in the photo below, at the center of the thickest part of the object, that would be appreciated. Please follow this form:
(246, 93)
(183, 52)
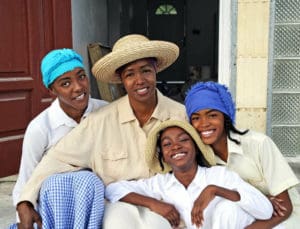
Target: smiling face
(72, 90)
(210, 126)
(139, 80)
(178, 149)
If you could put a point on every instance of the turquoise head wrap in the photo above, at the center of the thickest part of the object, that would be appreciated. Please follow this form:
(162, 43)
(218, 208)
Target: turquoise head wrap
(58, 62)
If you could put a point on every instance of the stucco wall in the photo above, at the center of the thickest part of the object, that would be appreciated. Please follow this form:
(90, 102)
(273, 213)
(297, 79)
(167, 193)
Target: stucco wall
(252, 63)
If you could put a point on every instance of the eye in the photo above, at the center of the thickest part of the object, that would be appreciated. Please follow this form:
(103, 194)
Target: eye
(65, 84)
(165, 144)
(147, 70)
(82, 76)
(194, 118)
(129, 74)
(212, 115)
(184, 139)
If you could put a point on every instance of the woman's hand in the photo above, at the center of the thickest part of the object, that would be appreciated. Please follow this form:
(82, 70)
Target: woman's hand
(201, 203)
(28, 216)
(279, 208)
(166, 210)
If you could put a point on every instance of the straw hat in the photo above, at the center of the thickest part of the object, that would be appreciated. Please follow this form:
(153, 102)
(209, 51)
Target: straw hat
(130, 48)
(151, 153)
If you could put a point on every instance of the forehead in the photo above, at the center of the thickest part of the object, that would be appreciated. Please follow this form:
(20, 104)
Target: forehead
(205, 111)
(172, 130)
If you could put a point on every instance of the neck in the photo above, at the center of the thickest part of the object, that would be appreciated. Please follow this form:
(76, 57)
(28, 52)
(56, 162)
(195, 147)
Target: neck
(144, 110)
(220, 148)
(185, 177)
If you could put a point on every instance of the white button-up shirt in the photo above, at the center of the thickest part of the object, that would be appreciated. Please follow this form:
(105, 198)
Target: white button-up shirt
(42, 133)
(167, 188)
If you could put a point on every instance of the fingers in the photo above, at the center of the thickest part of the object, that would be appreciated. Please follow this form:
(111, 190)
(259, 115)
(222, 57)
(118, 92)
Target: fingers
(173, 218)
(37, 219)
(279, 208)
(197, 217)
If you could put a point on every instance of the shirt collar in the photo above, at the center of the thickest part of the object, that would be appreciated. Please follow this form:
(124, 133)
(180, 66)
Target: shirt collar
(58, 117)
(198, 179)
(126, 113)
(233, 148)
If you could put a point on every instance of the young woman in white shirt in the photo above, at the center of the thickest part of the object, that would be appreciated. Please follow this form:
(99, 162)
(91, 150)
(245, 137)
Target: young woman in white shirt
(191, 195)
(253, 155)
(64, 75)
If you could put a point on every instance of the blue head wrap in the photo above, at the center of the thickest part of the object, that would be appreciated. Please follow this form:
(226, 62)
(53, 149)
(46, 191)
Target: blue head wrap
(58, 62)
(209, 95)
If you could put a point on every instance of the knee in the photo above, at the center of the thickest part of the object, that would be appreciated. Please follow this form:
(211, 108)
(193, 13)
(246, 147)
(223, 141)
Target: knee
(225, 210)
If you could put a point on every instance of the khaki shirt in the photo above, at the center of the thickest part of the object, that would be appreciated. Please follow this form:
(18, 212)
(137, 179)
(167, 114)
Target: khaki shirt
(259, 162)
(109, 141)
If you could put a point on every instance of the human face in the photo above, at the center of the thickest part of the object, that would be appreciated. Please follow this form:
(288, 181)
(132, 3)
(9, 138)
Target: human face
(139, 79)
(210, 126)
(178, 149)
(72, 90)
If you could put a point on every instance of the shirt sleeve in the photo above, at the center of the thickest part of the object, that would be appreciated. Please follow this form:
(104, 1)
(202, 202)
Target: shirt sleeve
(277, 172)
(251, 199)
(34, 145)
(71, 153)
(117, 190)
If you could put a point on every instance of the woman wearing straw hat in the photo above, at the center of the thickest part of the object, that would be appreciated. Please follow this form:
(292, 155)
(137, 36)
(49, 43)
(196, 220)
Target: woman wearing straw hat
(64, 75)
(253, 155)
(111, 142)
(192, 195)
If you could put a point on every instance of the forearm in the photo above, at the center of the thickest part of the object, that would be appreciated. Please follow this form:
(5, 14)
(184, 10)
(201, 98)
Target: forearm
(137, 199)
(226, 193)
(47, 167)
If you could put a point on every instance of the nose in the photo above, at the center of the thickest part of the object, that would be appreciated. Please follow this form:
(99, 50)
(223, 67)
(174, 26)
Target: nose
(176, 146)
(78, 85)
(140, 79)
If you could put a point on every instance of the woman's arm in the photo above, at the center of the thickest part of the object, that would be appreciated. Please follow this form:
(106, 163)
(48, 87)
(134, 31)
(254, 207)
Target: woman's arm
(166, 210)
(206, 196)
(281, 212)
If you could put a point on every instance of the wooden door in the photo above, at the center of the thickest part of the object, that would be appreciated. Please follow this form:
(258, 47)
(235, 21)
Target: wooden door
(29, 29)
(166, 21)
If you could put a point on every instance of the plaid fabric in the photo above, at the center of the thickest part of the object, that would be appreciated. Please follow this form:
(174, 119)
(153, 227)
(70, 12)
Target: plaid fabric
(71, 200)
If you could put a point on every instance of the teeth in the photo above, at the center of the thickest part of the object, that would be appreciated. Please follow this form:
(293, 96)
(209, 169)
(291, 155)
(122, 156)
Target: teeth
(143, 90)
(206, 133)
(178, 155)
(80, 97)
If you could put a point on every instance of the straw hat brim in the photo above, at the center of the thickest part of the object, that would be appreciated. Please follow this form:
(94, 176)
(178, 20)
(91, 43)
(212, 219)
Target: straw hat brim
(165, 53)
(151, 154)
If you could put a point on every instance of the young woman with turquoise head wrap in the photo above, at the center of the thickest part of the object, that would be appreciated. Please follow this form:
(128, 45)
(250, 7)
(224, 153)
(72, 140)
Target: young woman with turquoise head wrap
(64, 75)
(253, 155)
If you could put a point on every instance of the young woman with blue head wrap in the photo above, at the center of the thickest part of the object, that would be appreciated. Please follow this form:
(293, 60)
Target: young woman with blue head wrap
(253, 155)
(64, 75)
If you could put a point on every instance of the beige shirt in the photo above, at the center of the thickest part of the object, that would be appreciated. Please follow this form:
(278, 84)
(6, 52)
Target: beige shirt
(109, 141)
(259, 162)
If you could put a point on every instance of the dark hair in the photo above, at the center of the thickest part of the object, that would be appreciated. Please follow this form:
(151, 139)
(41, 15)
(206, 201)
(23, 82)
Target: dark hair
(199, 156)
(228, 126)
(153, 61)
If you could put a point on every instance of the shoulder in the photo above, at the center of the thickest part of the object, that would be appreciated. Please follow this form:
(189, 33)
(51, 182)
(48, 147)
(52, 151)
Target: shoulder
(41, 121)
(253, 138)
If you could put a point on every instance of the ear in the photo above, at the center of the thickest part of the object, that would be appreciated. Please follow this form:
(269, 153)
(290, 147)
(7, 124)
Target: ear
(52, 92)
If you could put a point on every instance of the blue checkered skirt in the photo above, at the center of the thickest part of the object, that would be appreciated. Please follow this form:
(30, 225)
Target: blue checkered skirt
(72, 200)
